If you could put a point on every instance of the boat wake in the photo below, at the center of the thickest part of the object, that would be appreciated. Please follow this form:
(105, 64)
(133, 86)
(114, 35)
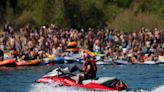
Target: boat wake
(54, 88)
(159, 89)
(156, 89)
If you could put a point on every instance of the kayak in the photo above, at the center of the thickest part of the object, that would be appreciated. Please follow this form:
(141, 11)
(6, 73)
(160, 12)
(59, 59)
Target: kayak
(28, 63)
(64, 77)
(7, 62)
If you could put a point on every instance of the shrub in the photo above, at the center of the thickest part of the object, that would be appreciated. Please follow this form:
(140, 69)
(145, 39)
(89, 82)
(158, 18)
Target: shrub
(128, 21)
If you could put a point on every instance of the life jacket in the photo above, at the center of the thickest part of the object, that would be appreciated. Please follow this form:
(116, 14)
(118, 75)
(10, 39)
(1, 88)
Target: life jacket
(93, 66)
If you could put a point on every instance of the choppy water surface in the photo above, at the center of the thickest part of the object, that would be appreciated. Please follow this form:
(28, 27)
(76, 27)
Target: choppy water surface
(140, 78)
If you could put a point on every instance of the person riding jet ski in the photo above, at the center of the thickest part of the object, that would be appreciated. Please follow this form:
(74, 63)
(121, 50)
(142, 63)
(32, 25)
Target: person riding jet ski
(89, 69)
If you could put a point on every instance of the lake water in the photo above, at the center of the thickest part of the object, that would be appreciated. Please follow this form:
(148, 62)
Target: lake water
(140, 78)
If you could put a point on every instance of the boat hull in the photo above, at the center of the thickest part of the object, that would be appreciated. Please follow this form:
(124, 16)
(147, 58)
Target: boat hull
(65, 77)
(66, 81)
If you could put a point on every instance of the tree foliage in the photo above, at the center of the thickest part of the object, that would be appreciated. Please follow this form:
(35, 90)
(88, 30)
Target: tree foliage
(76, 13)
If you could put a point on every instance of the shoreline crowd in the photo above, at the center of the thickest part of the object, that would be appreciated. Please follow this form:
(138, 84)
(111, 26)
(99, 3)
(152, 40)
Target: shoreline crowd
(137, 47)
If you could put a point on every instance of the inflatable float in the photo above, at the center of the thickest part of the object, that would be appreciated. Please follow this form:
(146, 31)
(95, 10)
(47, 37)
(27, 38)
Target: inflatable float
(72, 50)
(150, 62)
(7, 62)
(70, 58)
(59, 60)
(106, 62)
(28, 63)
(121, 62)
(72, 44)
(72, 47)
(47, 61)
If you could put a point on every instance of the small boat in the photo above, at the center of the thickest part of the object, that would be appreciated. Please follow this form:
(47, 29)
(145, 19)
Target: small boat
(73, 57)
(7, 62)
(64, 77)
(68, 59)
(122, 62)
(106, 62)
(150, 62)
(102, 63)
(28, 63)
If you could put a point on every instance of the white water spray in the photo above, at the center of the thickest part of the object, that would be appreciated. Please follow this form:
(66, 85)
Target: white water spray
(159, 89)
(54, 88)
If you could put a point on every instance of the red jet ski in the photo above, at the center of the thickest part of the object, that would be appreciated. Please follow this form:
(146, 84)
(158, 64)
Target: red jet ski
(64, 77)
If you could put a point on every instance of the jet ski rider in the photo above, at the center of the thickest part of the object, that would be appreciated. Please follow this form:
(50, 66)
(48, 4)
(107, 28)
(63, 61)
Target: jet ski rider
(89, 68)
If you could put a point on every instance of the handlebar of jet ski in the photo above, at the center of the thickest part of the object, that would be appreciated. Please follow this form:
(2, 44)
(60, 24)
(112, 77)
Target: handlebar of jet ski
(75, 68)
